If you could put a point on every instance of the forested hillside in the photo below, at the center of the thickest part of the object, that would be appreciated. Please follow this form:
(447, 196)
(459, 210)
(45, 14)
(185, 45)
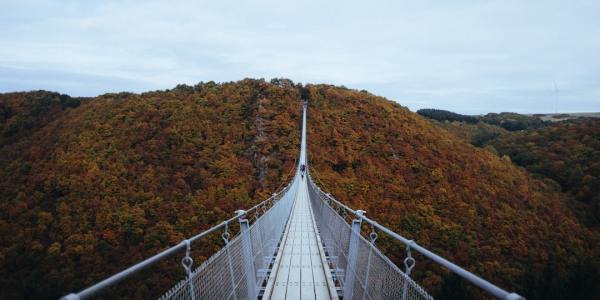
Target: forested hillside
(101, 185)
(23, 113)
(123, 176)
(508, 120)
(466, 203)
(568, 152)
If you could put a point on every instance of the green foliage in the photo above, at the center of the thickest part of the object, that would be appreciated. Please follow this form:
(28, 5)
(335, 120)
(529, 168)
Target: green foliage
(23, 113)
(567, 152)
(444, 115)
(564, 153)
(513, 121)
(477, 134)
(507, 120)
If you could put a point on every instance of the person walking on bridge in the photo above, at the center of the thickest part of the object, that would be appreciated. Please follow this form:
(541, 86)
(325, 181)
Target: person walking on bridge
(302, 170)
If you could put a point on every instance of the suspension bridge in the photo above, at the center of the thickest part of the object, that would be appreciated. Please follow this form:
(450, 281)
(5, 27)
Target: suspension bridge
(301, 243)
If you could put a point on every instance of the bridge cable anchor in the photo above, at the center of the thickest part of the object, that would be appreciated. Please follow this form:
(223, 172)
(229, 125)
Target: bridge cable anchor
(373, 234)
(409, 261)
(226, 235)
(187, 263)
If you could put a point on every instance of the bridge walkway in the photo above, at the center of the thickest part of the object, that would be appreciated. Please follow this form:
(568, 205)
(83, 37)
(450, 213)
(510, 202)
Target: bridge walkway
(301, 271)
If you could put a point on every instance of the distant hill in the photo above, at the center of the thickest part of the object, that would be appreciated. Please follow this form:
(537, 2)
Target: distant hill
(23, 113)
(565, 151)
(568, 152)
(444, 115)
(513, 121)
(507, 120)
(100, 185)
(566, 116)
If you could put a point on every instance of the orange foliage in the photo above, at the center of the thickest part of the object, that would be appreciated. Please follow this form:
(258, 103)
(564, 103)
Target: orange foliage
(93, 188)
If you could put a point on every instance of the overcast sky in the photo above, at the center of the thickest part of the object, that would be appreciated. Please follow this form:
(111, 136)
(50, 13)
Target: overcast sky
(465, 56)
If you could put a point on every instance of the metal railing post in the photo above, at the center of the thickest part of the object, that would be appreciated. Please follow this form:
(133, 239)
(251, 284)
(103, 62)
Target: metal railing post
(247, 252)
(350, 277)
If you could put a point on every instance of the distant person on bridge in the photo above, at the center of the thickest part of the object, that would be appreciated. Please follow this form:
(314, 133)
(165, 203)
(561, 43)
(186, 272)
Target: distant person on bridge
(302, 170)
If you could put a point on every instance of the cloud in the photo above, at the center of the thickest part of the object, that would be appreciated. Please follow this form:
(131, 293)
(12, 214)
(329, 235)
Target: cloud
(467, 56)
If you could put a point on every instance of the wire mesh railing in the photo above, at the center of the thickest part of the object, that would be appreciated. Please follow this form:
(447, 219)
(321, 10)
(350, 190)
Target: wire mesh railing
(360, 269)
(241, 268)
(238, 270)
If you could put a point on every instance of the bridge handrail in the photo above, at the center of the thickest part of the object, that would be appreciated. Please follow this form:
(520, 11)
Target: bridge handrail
(474, 279)
(116, 278)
